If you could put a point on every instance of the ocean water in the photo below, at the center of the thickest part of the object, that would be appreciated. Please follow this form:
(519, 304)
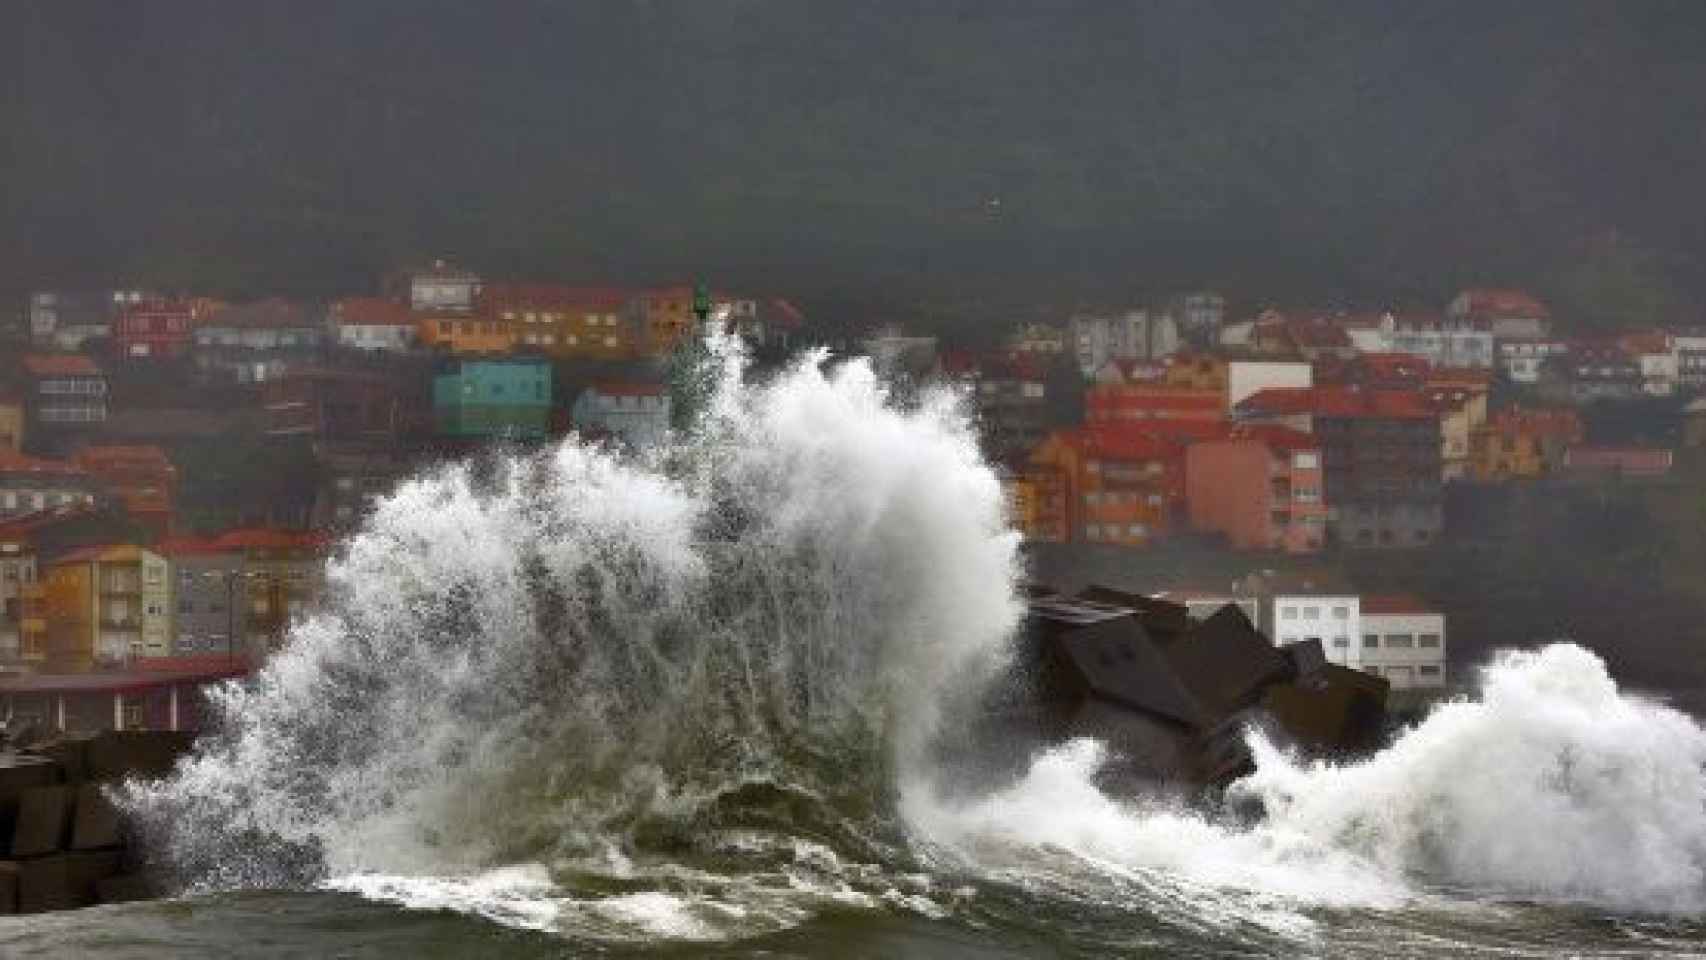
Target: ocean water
(693, 704)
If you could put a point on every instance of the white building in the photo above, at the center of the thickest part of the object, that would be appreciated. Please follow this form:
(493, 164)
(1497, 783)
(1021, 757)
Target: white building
(1522, 358)
(1302, 607)
(442, 288)
(1506, 314)
(1133, 335)
(1245, 378)
(1403, 640)
(370, 323)
(1201, 314)
(637, 414)
(1453, 345)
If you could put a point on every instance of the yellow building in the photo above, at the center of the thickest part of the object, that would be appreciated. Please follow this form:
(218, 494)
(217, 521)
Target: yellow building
(105, 605)
(11, 423)
(465, 333)
(665, 315)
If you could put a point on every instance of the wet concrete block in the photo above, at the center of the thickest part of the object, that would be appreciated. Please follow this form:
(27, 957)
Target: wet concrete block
(85, 871)
(44, 816)
(71, 753)
(8, 887)
(45, 884)
(18, 774)
(116, 755)
(95, 822)
(1307, 658)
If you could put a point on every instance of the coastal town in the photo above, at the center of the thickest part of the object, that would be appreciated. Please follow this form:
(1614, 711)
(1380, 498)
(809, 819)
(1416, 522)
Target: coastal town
(175, 470)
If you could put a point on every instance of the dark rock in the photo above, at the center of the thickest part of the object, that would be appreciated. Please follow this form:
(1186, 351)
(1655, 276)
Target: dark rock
(71, 753)
(8, 887)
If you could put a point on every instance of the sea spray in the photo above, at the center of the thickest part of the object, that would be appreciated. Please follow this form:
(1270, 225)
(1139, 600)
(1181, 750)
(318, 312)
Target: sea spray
(564, 657)
(692, 694)
(1551, 784)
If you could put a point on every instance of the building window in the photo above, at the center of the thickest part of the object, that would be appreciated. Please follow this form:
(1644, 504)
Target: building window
(1311, 613)
(1341, 613)
(1371, 640)
(1092, 532)
(1288, 613)
(1400, 640)
(1428, 640)
(1337, 641)
(1429, 670)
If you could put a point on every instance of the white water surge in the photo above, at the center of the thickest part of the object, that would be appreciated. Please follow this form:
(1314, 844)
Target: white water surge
(693, 696)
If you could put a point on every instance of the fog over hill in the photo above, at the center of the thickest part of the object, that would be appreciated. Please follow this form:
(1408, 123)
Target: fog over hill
(1065, 149)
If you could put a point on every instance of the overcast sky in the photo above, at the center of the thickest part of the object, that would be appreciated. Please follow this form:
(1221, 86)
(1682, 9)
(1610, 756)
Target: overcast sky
(1357, 149)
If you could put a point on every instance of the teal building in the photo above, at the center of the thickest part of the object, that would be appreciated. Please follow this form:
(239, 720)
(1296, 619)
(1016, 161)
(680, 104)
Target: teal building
(494, 398)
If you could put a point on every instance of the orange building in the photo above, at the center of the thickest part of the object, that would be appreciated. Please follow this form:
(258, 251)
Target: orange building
(1036, 503)
(665, 315)
(563, 321)
(141, 478)
(1122, 487)
(1521, 444)
(108, 605)
(464, 333)
(1261, 488)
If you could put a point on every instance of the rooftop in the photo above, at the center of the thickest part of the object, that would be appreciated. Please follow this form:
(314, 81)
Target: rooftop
(1393, 603)
(372, 312)
(60, 365)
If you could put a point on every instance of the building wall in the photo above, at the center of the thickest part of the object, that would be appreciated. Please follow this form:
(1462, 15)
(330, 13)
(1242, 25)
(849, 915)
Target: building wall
(1245, 378)
(68, 606)
(207, 612)
(466, 334)
(11, 426)
(1333, 619)
(1407, 649)
(640, 420)
(17, 573)
(492, 398)
(1259, 498)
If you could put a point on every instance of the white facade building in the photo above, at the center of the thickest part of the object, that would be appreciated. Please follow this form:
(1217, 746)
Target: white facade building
(1244, 378)
(1522, 359)
(1133, 335)
(1332, 618)
(637, 414)
(1443, 345)
(1403, 640)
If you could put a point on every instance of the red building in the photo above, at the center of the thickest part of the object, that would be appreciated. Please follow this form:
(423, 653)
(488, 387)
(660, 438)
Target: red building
(361, 408)
(141, 478)
(1261, 488)
(1181, 413)
(153, 331)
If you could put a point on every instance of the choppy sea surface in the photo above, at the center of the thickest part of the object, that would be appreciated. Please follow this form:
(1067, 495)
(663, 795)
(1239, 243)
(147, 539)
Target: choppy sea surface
(698, 702)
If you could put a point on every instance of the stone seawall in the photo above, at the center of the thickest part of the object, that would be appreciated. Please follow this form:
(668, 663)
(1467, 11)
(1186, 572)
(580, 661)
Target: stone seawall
(62, 843)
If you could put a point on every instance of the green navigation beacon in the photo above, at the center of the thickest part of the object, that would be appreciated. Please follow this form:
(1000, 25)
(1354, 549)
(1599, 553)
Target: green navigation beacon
(701, 302)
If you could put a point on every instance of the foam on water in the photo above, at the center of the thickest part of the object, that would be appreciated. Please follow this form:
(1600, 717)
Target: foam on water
(692, 696)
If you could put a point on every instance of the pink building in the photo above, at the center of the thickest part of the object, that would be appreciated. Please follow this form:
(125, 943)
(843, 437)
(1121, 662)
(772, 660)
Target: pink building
(1261, 488)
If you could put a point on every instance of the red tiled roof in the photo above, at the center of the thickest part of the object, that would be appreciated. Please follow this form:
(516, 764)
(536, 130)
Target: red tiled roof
(1279, 439)
(11, 462)
(261, 538)
(551, 296)
(94, 457)
(372, 312)
(1396, 603)
(60, 365)
(265, 314)
(88, 554)
(1506, 302)
(1318, 332)
(187, 546)
(631, 389)
(117, 682)
(1118, 443)
(1337, 401)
